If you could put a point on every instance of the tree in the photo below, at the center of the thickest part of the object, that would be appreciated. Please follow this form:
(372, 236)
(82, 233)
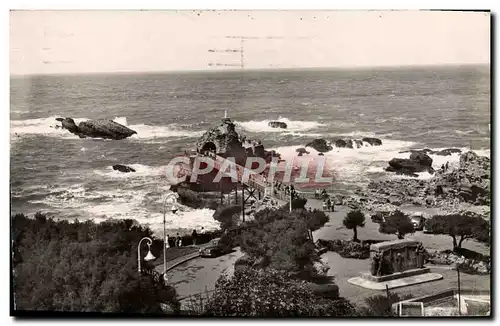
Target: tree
(83, 267)
(270, 293)
(397, 223)
(459, 226)
(227, 215)
(281, 239)
(353, 220)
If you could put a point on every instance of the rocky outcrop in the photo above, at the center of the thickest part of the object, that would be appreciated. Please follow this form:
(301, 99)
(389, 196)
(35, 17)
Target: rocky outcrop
(356, 143)
(320, 145)
(277, 124)
(443, 152)
(372, 141)
(469, 183)
(123, 168)
(106, 129)
(418, 162)
(222, 139)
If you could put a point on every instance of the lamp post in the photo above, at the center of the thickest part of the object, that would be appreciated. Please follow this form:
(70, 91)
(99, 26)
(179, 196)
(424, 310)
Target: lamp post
(148, 257)
(174, 210)
(457, 265)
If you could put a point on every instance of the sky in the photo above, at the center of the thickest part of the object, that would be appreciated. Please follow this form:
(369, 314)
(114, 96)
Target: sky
(52, 42)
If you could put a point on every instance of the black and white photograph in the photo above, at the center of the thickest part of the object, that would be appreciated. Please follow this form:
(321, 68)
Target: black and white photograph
(250, 163)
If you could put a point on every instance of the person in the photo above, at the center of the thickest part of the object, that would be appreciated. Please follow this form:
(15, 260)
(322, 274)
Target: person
(180, 242)
(329, 204)
(167, 244)
(446, 166)
(195, 236)
(325, 205)
(324, 194)
(177, 240)
(316, 193)
(442, 168)
(201, 234)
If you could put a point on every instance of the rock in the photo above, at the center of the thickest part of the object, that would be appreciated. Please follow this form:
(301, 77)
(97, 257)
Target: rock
(123, 168)
(405, 165)
(320, 145)
(421, 158)
(359, 143)
(418, 162)
(372, 141)
(106, 129)
(321, 154)
(277, 124)
(301, 151)
(340, 143)
(447, 151)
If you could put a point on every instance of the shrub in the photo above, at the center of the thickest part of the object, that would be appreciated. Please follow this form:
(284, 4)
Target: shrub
(379, 305)
(270, 293)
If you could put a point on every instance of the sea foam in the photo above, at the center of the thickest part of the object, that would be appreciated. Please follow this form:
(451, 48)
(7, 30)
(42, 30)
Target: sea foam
(50, 127)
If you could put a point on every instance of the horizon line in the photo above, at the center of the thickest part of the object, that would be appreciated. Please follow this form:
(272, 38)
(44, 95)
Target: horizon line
(228, 70)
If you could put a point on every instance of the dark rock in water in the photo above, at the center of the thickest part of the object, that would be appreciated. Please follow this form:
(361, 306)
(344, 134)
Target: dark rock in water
(349, 143)
(320, 145)
(447, 151)
(321, 154)
(359, 143)
(421, 158)
(423, 151)
(340, 143)
(418, 162)
(427, 151)
(123, 168)
(301, 151)
(404, 164)
(106, 129)
(372, 141)
(277, 124)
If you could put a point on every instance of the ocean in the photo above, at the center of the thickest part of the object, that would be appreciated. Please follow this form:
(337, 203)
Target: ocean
(55, 172)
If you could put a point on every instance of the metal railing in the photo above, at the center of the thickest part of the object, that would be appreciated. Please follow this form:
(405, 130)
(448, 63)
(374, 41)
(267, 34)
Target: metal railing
(256, 180)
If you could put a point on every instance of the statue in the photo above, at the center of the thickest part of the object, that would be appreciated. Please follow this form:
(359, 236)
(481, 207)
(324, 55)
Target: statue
(420, 254)
(376, 264)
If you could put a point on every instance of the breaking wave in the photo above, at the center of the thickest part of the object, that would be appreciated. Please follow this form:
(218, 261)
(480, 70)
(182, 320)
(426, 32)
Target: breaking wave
(52, 128)
(292, 126)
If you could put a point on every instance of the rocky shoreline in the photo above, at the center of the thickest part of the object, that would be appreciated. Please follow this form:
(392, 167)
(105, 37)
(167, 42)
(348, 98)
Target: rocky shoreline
(459, 189)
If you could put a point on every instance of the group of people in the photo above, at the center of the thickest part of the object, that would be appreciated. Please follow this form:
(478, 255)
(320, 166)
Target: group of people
(328, 205)
(288, 190)
(320, 194)
(178, 238)
(445, 167)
